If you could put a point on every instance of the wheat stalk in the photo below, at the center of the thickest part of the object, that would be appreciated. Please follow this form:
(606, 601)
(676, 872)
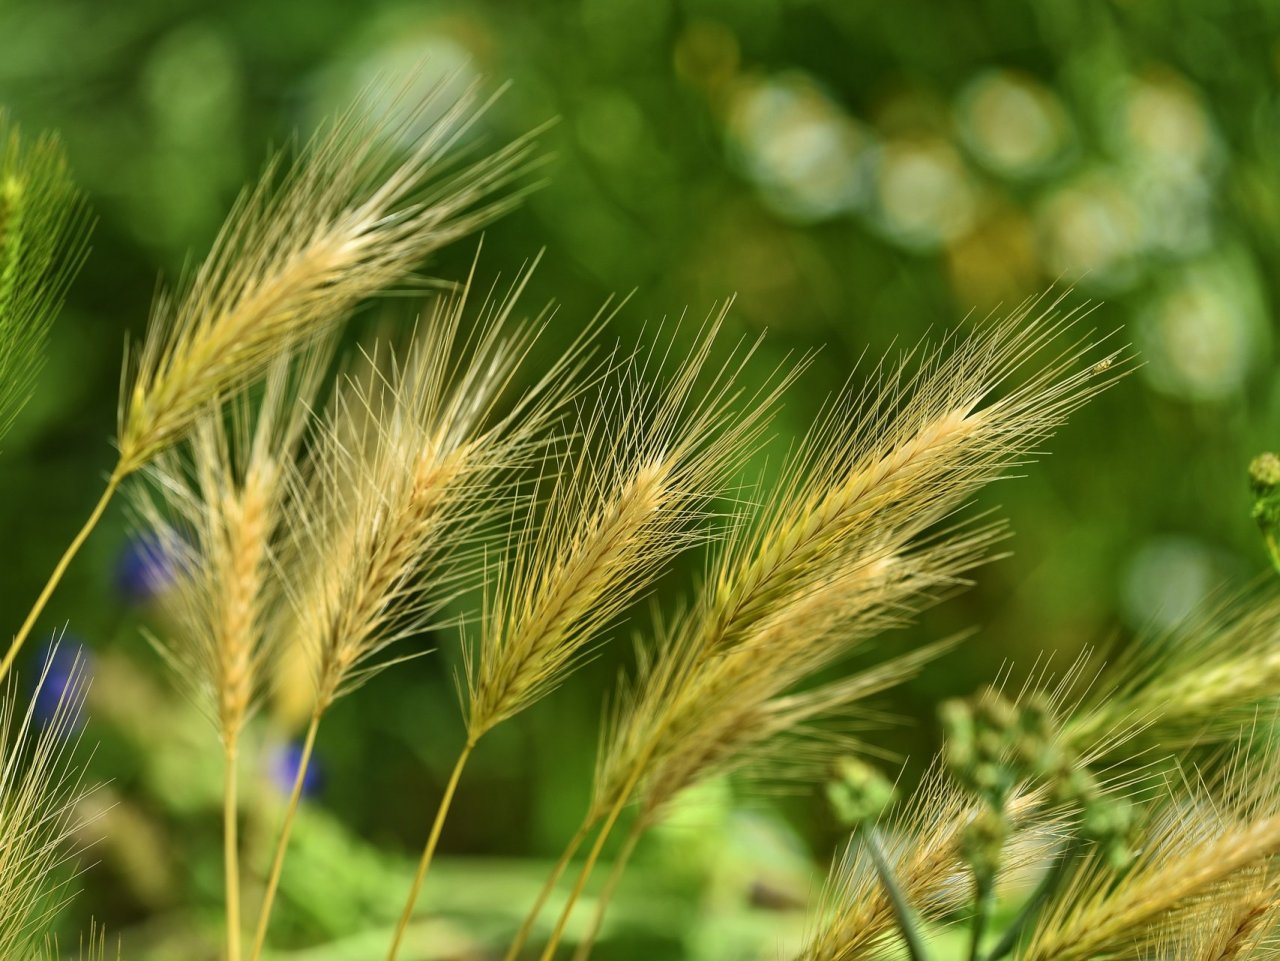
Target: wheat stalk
(217, 520)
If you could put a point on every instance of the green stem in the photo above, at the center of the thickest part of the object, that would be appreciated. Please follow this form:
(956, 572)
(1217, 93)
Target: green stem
(522, 936)
(429, 850)
(117, 476)
(1273, 549)
(231, 853)
(1048, 884)
(593, 856)
(583, 951)
(282, 843)
(984, 901)
(901, 909)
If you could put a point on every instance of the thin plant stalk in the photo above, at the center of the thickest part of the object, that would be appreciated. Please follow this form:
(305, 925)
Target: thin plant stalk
(901, 907)
(984, 902)
(231, 852)
(1027, 914)
(15, 646)
(526, 927)
(583, 951)
(610, 820)
(429, 850)
(282, 843)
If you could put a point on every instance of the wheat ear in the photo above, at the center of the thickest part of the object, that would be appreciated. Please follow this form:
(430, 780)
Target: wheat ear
(297, 253)
(841, 553)
(1191, 857)
(651, 462)
(391, 510)
(41, 784)
(1201, 683)
(216, 519)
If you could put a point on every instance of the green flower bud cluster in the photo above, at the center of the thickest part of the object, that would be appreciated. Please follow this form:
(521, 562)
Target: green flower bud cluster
(981, 753)
(1104, 819)
(993, 744)
(857, 792)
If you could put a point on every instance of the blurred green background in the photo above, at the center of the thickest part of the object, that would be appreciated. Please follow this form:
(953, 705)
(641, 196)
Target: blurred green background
(857, 173)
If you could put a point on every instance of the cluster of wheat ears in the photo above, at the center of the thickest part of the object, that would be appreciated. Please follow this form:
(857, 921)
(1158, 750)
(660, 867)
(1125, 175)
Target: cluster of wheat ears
(327, 519)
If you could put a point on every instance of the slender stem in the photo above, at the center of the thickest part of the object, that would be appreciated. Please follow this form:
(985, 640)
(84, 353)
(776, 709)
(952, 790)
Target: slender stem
(984, 900)
(1273, 549)
(548, 887)
(428, 852)
(593, 856)
(1031, 908)
(282, 843)
(583, 950)
(61, 568)
(901, 909)
(517, 945)
(231, 852)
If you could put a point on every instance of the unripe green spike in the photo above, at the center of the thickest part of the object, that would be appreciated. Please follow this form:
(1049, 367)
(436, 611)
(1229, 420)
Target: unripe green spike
(11, 209)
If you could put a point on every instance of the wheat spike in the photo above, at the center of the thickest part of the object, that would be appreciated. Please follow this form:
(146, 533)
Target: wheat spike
(842, 549)
(347, 221)
(652, 461)
(216, 512)
(391, 510)
(1199, 684)
(1201, 851)
(400, 489)
(42, 244)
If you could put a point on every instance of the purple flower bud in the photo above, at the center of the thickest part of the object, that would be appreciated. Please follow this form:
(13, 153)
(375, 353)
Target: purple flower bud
(58, 683)
(147, 565)
(282, 769)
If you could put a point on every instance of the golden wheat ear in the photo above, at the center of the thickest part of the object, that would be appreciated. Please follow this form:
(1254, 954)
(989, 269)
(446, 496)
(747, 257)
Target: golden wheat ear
(405, 481)
(216, 521)
(648, 458)
(1199, 685)
(1204, 859)
(41, 785)
(651, 455)
(214, 515)
(390, 513)
(350, 217)
(851, 541)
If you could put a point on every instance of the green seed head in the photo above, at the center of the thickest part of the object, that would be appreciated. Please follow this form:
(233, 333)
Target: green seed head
(857, 792)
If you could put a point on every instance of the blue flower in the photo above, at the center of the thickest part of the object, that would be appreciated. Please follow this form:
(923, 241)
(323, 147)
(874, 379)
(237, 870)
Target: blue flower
(282, 768)
(64, 666)
(145, 568)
